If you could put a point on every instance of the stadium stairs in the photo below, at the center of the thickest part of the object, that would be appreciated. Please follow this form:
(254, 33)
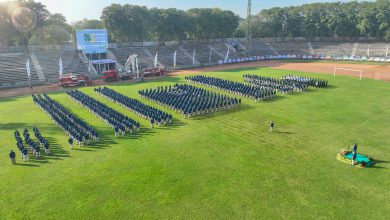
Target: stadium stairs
(45, 65)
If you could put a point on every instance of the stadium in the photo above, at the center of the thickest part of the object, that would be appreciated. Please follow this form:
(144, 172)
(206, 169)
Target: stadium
(196, 113)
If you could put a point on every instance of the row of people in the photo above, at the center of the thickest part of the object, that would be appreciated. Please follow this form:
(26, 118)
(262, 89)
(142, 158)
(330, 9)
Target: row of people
(154, 115)
(74, 127)
(318, 83)
(118, 121)
(248, 91)
(34, 147)
(189, 100)
(282, 86)
(22, 149)
(42, 141)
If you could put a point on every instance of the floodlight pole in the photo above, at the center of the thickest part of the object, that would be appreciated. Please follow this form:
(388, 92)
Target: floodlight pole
(248, 39)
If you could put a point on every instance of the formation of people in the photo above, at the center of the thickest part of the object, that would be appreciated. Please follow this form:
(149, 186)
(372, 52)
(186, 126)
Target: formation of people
(245, 90)
(282, 86)
(154, 115)
(118, 121)
(42, 141)
(22, 149)
(317, 83)
(74, 127)
(34, 147)
(189, 100)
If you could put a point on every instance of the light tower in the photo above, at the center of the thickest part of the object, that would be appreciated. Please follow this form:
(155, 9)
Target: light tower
(248, 40)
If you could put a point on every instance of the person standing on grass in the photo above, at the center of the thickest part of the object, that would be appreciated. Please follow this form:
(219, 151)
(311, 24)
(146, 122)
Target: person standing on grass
(70, 141)
(116, 131)
(12, 156)
(354, 148)
(151, 122)
(25, 154)
(354, 154)
(271, 126)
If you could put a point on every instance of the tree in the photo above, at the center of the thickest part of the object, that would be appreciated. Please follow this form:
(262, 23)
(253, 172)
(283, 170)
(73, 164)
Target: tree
(212, 23)
(55, 31)
(169, 24)
(127, 22)
(30, 18)
(88, 24)
(7, 30)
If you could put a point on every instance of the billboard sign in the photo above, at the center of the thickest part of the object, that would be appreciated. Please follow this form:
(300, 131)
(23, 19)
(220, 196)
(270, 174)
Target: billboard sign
(92, 40)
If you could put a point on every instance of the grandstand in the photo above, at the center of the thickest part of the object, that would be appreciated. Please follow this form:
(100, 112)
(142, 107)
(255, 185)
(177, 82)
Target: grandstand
(13, 70)
(48, 62)
(45, 62)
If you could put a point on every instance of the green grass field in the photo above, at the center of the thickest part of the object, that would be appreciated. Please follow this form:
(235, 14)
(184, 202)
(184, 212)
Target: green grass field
(224, 165)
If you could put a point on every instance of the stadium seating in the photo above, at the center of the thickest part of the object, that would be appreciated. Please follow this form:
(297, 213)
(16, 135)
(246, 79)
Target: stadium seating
(44, 64)
(13, 69)
(70, 60)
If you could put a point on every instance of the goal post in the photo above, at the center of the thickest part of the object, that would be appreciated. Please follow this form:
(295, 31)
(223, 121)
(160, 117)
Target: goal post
(351, 70)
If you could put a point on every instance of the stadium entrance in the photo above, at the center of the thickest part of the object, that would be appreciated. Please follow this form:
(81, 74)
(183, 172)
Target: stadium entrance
(94, 44)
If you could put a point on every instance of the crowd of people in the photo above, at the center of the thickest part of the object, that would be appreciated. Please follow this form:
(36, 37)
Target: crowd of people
(22, 149)
(238, 88)
(41, 140)
(189, 100)
(317, 83)
(280, 85)
(74, 127)
(154, 115)
(119, 122)
(34, 147)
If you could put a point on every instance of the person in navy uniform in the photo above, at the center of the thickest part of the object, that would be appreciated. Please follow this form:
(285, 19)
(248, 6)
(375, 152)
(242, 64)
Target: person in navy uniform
(116, 131)
(12, 156)
(151, 122)
(70, 141)
(25, 154)
(354, 148)
(271, 126)
(354, 155)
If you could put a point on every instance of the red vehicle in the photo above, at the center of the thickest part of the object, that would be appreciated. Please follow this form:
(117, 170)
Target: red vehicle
(114, 75)
(72, 80)
(154, 71)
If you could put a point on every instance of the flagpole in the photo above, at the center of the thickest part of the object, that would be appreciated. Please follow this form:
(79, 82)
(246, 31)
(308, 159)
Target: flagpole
(193, 58)
(156, 59)
(174, 58)
(28, 69)
(211, 50)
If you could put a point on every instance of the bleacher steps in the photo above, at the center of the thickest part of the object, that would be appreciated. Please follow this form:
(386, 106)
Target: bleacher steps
(216, 51)
(311, 50)
(354, 49)
(275, 52)
(187, 54)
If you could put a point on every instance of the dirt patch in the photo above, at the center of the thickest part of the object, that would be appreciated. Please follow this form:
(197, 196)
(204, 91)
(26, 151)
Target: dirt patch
(377, 72)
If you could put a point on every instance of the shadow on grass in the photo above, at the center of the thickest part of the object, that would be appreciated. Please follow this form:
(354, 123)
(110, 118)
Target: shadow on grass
(283, 132)
(275, 99)
(104, 142)
(329, 87)
(242, 107)
(26, 165)
(176, 124)
(143, 132)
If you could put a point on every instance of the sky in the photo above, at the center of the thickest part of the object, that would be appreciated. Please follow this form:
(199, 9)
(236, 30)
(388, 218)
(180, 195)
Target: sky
(75, 10)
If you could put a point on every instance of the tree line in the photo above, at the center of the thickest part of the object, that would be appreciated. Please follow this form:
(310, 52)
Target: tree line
(31, 23)
(338, 19)
(125, 23)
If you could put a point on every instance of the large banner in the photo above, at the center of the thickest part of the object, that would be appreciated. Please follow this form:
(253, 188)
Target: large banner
(305, 57)
(92, 40)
